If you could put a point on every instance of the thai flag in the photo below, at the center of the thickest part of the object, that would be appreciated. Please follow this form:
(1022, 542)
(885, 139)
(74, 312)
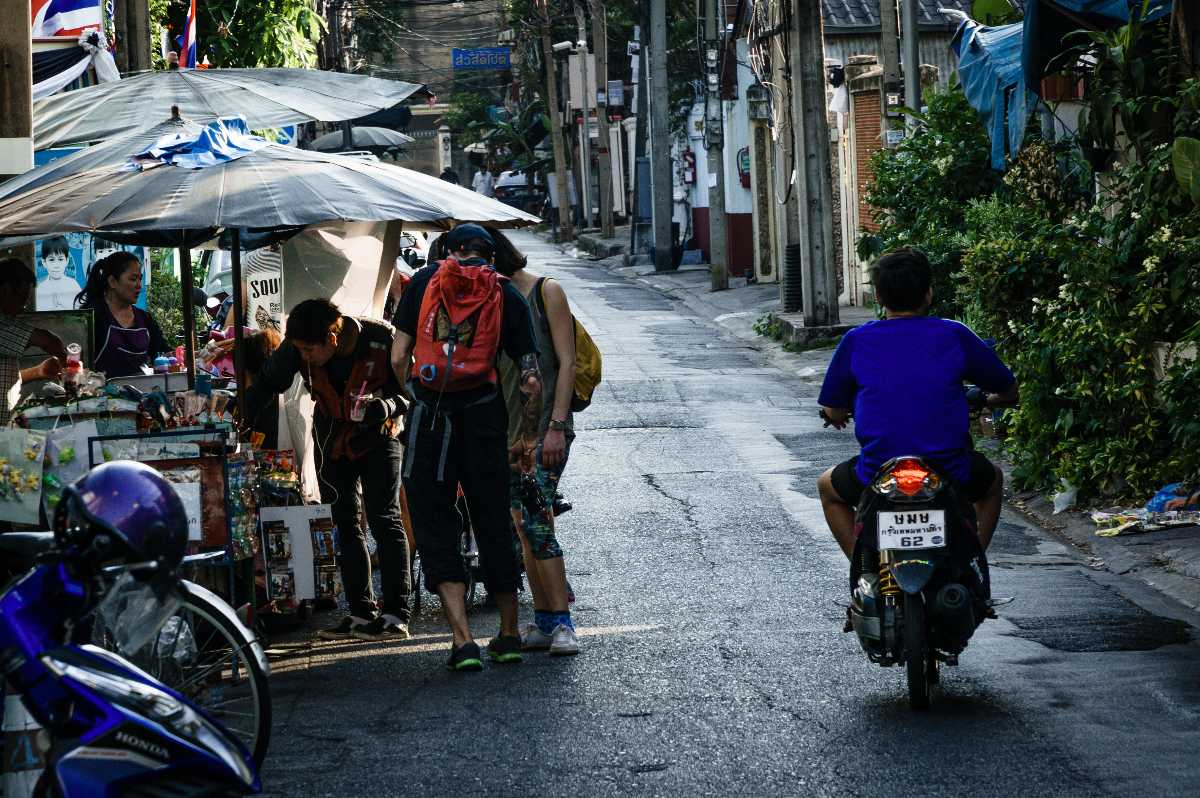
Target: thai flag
(189, 38)
(64, 17)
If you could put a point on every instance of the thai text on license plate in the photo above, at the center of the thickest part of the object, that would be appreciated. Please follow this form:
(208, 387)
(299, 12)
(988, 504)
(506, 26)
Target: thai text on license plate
(918, 529)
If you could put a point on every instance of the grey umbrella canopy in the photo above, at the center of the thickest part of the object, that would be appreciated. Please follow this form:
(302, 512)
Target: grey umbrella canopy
(265, 97)
(364, 138)
(274, 186)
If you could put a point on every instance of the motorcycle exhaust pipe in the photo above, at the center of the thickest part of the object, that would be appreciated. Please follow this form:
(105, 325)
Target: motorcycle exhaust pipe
(954, 616)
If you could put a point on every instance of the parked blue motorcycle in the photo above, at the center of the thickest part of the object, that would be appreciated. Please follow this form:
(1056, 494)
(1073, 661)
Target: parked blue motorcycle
(109, 728)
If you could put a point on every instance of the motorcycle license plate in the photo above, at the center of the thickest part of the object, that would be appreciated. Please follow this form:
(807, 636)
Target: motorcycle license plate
(907, 531)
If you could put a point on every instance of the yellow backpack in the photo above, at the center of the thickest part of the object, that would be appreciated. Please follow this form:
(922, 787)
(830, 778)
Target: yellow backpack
(588, 362)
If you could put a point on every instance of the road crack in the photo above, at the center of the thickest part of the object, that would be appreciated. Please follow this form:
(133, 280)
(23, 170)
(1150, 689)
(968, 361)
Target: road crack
(689, 514)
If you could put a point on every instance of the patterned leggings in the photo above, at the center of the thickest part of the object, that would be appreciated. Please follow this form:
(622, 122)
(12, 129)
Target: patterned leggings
(534, 497)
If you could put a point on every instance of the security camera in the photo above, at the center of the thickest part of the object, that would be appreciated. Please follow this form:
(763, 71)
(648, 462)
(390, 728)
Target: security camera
(563, 47)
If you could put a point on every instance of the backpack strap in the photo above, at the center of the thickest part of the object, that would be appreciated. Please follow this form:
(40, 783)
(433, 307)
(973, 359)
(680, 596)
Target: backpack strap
(539, 291)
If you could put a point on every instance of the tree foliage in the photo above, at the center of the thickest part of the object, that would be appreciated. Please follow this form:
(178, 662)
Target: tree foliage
(1091, 295)
(248, 33)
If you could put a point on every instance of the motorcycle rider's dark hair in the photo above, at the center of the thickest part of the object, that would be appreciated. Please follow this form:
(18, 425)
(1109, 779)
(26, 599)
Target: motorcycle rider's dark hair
(312, 320)
(902, 279)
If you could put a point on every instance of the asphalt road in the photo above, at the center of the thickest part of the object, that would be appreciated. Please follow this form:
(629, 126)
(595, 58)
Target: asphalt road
(713, 661)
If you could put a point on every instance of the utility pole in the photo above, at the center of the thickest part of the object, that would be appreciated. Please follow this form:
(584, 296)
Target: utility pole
(912, 60)
(588, 100)
(889, 45)
(137, 32)
(566, 231)
(813, 162)
(889, 60)
(660, 137)
(714, 134)
(16, 88)
(604, 165)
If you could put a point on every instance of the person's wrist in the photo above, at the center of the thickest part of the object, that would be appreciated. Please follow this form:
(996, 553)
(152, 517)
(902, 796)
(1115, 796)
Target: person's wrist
(557, 426)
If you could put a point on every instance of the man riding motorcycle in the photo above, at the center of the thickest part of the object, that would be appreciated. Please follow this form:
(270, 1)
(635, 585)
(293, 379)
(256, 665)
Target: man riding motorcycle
(902, 378)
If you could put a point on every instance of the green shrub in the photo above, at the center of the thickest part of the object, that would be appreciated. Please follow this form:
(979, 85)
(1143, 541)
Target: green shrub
(923, 186)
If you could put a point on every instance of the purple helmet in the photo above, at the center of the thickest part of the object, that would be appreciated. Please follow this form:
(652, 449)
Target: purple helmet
(132, 502)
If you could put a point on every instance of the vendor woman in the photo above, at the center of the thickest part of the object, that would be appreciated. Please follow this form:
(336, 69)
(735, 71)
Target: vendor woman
(124, 337)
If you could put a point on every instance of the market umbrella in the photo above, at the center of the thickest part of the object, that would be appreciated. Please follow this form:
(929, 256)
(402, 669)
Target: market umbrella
(264, 97)
(205, 178)
(364, 138)
(222, 177)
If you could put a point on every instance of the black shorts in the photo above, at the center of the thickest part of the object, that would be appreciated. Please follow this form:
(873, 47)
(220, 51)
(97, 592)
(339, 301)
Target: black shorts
(846, 484)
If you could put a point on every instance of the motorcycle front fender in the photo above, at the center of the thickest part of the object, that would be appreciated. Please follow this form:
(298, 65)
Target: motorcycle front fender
(914, 571)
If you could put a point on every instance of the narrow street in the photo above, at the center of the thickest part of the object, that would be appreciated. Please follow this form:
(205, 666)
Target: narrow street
(708, 602)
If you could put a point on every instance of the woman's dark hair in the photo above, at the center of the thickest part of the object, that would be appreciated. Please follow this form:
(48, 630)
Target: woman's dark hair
(902, 279)
(56, 246)
(14, 271)
(312, 320)
(114, 266)
(508, 259)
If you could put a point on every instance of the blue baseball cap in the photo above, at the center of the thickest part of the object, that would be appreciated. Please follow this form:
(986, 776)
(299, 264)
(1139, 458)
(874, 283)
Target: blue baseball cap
(466, 232)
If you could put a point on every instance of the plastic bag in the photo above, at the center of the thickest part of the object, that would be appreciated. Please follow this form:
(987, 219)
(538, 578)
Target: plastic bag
(1065, 498)
(1158, 503)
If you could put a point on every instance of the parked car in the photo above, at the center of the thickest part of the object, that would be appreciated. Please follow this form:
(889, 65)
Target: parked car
(516, 189)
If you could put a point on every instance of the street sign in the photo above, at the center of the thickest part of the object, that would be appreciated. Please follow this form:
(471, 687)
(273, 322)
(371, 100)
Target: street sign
(482, 58)
(616, 92)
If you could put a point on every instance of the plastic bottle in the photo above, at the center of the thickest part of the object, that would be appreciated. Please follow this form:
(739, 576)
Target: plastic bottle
(172, 364)
(73, 369)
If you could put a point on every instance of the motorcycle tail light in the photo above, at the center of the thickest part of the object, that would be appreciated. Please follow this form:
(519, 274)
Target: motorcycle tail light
(911, 477)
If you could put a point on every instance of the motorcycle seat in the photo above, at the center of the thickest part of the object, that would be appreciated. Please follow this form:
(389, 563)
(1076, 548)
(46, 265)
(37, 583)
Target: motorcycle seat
(26, 545)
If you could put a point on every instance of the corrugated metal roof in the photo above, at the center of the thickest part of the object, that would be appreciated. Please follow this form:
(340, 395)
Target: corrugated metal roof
(844, 16)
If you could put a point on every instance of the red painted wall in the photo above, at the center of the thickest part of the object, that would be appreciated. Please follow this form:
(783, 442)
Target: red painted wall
(739, 232)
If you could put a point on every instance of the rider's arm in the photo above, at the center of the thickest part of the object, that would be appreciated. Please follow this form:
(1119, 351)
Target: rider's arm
(839, 387)
(837, 416)
(1009, 396)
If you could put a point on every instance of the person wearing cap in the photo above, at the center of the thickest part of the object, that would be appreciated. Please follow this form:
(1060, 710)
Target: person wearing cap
(460, 438)
(16, 282)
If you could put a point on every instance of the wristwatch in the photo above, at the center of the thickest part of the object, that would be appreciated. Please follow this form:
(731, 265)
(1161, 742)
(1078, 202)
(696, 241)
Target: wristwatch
(558, 425)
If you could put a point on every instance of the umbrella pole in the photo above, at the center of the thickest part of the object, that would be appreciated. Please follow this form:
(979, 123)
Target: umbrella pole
(347, 136)
(239, 312)
(189, 316)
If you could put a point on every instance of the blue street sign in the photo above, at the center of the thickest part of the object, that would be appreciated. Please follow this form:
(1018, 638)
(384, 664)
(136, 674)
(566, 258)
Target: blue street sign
(482, 58)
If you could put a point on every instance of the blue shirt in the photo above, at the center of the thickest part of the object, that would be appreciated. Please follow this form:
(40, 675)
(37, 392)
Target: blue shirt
(904, 380)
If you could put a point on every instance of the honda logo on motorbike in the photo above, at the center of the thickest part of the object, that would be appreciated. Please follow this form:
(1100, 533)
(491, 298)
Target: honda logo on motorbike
(145, 746)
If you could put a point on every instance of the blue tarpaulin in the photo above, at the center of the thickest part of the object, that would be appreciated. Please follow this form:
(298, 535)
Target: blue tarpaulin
(217, 142)
(1001, 67)
(989, 67)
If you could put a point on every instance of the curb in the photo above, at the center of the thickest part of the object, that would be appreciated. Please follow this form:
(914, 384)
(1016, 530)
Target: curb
(793, 331)
(600, 247)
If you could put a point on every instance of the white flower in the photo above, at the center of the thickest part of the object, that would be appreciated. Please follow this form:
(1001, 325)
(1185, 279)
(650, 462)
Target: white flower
(1135, 215)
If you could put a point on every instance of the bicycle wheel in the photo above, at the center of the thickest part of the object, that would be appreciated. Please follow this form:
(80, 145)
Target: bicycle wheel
(208, 659)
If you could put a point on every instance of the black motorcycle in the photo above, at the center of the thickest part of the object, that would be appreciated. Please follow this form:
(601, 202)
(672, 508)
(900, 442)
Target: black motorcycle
(918, 578)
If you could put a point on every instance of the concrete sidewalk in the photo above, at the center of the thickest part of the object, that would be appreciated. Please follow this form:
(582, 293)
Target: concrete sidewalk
(1167, 561)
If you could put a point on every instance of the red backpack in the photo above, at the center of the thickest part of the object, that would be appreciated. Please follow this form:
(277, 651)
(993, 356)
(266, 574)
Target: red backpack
(458, 329)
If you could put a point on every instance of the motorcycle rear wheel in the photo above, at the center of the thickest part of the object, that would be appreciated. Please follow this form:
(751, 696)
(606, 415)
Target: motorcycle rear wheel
(914, 651)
